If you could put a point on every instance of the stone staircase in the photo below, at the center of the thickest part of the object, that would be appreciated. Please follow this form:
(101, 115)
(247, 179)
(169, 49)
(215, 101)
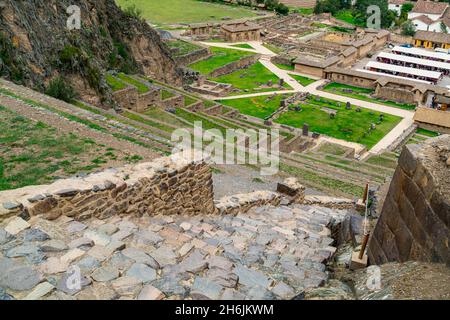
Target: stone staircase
(267, 253)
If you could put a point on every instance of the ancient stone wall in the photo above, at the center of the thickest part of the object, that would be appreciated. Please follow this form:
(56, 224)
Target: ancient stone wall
(235, 65)
(414, 222)
(169, 185)
(192, 57)
(396, 94)
(127, 98)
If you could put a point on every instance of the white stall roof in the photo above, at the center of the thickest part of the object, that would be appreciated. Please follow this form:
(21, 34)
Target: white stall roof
(419, 61)
(423, 53)
(392, 76)
(412, 71)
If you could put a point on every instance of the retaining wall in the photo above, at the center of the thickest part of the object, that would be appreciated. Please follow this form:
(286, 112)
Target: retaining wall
(414, 222)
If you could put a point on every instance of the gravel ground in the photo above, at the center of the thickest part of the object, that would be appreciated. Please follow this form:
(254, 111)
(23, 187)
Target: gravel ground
(234, 179)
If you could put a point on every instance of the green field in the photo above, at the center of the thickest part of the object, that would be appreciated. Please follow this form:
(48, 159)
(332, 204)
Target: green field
(33, 153)
(141, 88)
(183, 47)
(251, 78)
(304, 81)
(221, 57)
(185, 11)
(259, 107)
(243, 45)
(347, 125)
(115, 83)
(363, 94)
(285, 66)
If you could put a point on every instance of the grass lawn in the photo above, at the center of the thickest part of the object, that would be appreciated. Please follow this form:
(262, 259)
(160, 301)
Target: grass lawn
(141, 88)
(426, 132)
(115, 83)
(33, 153)
(273, 48)
(251, 78)
(363, 94)
(243, 45)
(166, 94)
(193, 117)
(304, 81)
(332, 148)
(347, 16)
(382, 161)
(259, 107)
(221, 57)
(159, 114)
(183, 47)
(347, 125)
(285, 66)
(185, 11)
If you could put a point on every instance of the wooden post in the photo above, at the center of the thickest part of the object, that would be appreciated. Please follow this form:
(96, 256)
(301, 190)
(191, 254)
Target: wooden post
(366, 192)
(363, 246)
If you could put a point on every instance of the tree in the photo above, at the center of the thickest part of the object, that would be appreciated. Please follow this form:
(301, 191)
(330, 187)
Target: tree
(387, 17)
(281, 8)
(408, 29)
(59, 89)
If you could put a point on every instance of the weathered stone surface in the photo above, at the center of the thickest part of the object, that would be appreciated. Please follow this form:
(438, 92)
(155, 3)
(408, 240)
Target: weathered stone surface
(251, 278)
(100, 253)
(54, 265)
(222, 277)
(204, 289)
(164, 255)
(40, 291)
(88, 264)
(5, 236)
(104, 274)
(72, 255)
(75, 227)
(54, 246)
(16, 225)
(100, 239)
(17, 277)
(4, 296)
(194, 263)
(97, 291)
(141, 272)
(149, 292)
(35, 235)
(120, 261)
(283, 291)
(81, 243)
(108, 229)
(140, 257)
(127, 286)
(148, 237)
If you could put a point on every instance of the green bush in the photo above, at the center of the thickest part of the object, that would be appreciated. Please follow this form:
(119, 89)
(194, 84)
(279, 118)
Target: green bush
(58, 88)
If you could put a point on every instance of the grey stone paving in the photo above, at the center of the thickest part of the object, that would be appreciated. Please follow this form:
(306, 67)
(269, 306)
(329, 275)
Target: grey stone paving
(268, 253)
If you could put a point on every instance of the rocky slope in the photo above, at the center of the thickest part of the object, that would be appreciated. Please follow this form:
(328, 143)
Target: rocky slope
(36, 45)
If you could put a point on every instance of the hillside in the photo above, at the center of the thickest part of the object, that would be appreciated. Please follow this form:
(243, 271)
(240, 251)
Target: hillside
(36, 46)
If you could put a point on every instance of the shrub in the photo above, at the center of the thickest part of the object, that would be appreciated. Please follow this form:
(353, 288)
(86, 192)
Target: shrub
(133, 12)
(59, 89)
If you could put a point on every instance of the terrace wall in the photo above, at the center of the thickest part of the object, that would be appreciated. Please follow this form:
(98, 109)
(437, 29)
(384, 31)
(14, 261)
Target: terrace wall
(415, 219)
(396, 94)
(194, 56)
(235, 65)
(168, 185)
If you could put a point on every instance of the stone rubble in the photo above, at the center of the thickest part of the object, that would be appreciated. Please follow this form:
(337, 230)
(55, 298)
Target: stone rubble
(266, 253)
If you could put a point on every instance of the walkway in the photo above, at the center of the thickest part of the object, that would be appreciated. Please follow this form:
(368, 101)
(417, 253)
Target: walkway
(382, 145)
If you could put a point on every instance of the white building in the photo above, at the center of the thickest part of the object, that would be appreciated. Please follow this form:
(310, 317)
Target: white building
(428, 15)
(396, 5)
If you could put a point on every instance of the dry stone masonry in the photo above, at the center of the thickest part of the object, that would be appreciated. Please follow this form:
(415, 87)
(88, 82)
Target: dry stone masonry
(414, 223)
(167, 186)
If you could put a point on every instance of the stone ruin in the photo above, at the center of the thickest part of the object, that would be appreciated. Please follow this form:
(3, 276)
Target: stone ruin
(415, 219)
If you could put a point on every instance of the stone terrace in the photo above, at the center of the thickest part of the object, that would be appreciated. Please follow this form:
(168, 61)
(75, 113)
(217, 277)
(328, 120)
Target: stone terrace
(267, 253)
